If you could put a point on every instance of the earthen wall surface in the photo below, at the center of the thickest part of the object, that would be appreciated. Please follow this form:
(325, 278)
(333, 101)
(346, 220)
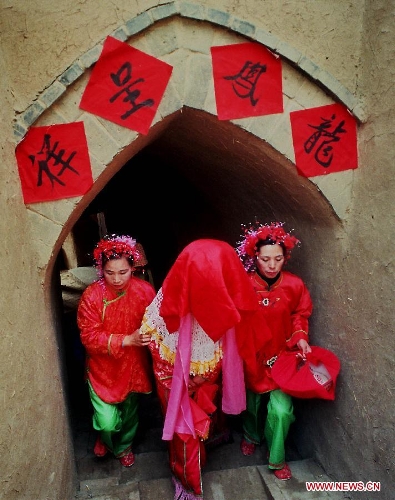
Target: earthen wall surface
(345, 221)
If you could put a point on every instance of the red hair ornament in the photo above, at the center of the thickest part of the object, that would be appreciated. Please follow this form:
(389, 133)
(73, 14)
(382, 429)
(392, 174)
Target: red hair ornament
(246, 248)
(114, 246)
(311, 376)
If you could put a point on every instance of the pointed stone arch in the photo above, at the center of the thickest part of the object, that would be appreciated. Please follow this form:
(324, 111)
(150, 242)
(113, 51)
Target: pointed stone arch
(181, 34)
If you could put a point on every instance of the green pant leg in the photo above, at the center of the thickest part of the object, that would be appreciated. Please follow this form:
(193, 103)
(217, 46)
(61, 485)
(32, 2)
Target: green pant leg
(122, 440)
(106, 418)
(252, 418)
(279, 419)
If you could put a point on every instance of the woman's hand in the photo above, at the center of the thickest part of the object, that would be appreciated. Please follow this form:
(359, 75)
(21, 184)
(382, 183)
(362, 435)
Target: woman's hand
(195, 382)
(303, 345)
(136, 339)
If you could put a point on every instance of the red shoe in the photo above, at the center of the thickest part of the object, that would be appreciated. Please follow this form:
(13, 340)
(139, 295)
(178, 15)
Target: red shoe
(100, 449)
(283, 474)
(247, 448)
(127, 460)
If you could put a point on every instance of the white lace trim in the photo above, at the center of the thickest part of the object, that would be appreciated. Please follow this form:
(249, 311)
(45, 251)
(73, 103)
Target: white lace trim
(205, 353)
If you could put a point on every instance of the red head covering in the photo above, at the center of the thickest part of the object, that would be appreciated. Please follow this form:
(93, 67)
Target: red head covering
(209, 281)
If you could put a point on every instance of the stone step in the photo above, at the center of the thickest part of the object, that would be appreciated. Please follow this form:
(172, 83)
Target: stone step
(227, 475)
(243, 483)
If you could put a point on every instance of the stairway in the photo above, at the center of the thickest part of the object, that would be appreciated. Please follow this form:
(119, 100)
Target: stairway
(228, 475)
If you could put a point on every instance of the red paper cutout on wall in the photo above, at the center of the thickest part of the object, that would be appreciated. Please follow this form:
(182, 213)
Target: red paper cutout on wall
(247, 81)
(54, 163)
(126, 86)
(324, 139)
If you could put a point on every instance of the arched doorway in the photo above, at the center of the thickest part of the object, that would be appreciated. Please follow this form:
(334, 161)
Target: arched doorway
(198, 178)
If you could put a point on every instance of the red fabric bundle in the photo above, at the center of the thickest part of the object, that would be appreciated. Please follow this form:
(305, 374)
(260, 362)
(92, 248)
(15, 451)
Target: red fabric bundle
(312, 376)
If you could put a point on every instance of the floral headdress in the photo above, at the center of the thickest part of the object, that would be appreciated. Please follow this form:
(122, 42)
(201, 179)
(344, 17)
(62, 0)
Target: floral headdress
(246, 248)
(115, 246)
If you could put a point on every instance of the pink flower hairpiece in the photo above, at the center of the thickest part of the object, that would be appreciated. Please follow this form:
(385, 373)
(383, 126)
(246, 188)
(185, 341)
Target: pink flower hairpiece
(246, 248)
(117, 247)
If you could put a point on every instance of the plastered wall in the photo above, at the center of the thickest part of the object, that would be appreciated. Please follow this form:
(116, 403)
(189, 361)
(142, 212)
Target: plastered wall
(350, 269)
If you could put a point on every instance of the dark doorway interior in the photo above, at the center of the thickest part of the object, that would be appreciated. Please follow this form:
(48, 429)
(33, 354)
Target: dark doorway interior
(200, 179)
(151, 201)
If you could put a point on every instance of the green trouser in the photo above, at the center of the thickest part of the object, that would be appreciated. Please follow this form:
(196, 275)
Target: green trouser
(117, 423)
(274, 429)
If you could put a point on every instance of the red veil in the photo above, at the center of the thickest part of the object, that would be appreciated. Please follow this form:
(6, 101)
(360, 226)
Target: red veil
(209, 282)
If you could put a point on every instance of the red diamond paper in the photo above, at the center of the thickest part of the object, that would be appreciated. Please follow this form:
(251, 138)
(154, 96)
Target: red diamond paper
(54, 163)
(126, 86)
(324, 139)
(247, 81)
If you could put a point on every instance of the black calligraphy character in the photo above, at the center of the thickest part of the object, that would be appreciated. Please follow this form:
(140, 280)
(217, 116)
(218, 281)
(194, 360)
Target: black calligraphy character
(323, 154)
(51, 154)
(245, 82)
(122, 77)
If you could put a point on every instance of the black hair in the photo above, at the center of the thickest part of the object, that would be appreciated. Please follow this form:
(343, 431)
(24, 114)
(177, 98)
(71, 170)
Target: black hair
(269, 241)
(115, 256)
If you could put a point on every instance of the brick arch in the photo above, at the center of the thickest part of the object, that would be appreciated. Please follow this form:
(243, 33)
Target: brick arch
(191, 87)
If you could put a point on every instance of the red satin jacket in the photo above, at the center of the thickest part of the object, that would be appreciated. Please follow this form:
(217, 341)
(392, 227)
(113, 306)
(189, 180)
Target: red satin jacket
(104, 319)
(287, 307)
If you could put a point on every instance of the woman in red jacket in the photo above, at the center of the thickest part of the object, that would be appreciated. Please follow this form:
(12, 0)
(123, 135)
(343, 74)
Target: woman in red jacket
(118, 365)
(287, 305)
